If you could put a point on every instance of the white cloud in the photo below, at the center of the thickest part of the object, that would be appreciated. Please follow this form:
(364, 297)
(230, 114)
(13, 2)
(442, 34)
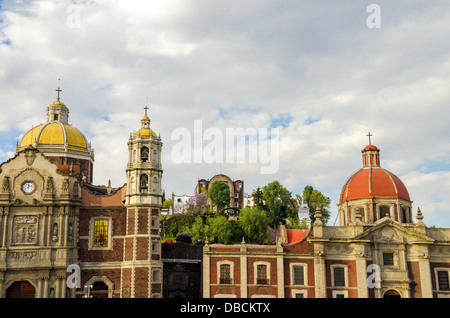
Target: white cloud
(241, 64)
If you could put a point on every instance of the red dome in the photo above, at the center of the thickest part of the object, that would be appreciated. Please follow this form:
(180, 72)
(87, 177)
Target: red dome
(371, 147)
(373, 182)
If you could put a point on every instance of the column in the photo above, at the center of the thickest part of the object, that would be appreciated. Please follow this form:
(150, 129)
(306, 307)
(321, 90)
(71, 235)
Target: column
(319, 271)
(425, 277)
(206, 271)
(40, 291)
(45, 289)
(361, 277)
(244, 274)
(280, 272)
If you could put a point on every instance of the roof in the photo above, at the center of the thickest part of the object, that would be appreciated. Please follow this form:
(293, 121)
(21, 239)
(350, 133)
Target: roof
(55, 137)
(296, 235)
(373, 182)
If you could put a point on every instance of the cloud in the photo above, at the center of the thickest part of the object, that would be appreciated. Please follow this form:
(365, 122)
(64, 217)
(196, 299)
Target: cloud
(313, 69)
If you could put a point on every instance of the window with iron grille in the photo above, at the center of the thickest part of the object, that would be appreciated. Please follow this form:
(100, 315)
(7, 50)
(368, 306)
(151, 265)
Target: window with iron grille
(388, 259)
(225, 274)
(443, 280)
(339, 276)
(261, 275)
(299, 275)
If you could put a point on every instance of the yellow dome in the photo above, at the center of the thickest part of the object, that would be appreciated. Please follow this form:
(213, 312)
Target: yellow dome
(55, 137)
(145, 132)
(58, 103)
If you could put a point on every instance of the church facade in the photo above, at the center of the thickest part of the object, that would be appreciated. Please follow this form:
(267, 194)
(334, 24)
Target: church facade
(376, 252)
(52, 218)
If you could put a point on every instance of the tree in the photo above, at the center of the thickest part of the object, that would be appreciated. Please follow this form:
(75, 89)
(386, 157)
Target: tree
(254, 223)
(278, 202)
(314, 199)
(198, 230)
(196, 205)
(258, 199)
(219, 193)
(220, 229)
(167, 204)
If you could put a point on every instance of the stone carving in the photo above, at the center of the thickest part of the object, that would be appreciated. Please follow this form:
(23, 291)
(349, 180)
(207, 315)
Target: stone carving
(55, 232)
(22, 256)
(388, 235)
(26, 229)
(65, 185)
(30, 156)
(5, 185)
(49, 187)
(70, 233)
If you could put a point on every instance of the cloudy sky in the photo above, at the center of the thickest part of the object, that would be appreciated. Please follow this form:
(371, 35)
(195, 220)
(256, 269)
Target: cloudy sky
(324, 73)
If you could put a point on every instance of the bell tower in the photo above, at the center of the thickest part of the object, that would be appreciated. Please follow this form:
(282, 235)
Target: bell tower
(142, 265)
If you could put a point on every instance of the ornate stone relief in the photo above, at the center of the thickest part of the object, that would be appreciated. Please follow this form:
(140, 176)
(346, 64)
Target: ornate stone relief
(25, 229)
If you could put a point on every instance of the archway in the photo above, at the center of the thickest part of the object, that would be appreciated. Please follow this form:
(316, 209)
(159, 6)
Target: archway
(21, 289)
(99, 290)
(392, 294)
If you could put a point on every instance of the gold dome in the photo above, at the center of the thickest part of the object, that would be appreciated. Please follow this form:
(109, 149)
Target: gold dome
(57, 103)
(55, 137)
(145, 133)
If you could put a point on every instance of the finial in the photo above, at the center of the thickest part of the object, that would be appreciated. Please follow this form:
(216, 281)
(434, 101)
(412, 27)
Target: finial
(146, 106)
(58, 90)
(369, 135)
(318, 215)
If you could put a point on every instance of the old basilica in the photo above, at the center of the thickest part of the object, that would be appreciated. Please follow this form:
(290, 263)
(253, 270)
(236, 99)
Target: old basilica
(53, 218)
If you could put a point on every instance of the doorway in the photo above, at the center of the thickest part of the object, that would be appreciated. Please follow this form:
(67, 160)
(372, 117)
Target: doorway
(21, 289)
(392, 294)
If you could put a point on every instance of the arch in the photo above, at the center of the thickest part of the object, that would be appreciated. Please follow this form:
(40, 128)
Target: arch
(392, 293)
(143, 183)
(144, 154)
(101, 287)
(20, 289)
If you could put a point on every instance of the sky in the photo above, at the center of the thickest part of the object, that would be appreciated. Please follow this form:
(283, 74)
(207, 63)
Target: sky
(320, 73)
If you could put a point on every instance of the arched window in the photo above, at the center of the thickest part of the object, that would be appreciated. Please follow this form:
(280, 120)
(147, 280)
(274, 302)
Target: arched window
(144, 154)
(143, 183)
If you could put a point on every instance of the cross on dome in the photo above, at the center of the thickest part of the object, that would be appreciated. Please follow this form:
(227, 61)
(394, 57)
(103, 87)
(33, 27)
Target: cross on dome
(369, 135)
(58, 90)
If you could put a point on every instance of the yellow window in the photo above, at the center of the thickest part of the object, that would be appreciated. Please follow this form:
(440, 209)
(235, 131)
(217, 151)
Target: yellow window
(101, 233)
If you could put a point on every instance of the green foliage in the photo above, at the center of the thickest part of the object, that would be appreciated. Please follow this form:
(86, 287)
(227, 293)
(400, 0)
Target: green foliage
(220, 229)
(314, 199)
(167, 204)
(219, 193)
(278, 203)
(198, 231)
(254, 223)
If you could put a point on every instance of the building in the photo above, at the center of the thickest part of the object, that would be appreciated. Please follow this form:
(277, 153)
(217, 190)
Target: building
(236, 190)
(53, 217)
(376, 252)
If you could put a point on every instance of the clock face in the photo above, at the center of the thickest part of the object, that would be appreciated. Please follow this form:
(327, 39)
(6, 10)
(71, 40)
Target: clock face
(28, 187)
